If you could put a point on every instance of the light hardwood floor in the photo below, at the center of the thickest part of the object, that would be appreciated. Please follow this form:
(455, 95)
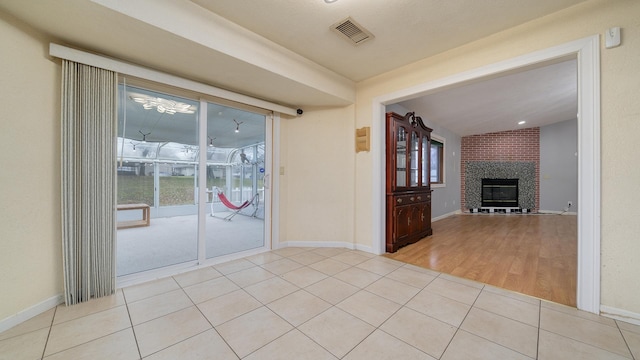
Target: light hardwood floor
(530, 254)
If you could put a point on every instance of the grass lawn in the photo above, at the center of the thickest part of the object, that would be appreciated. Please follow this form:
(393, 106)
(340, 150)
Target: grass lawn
(174, 190)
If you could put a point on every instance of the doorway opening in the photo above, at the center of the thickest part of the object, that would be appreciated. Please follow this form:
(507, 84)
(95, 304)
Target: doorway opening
(586, 53)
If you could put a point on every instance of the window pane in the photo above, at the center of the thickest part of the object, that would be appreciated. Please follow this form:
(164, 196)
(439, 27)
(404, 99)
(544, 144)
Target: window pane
(157, 159)
(434, 164)
(425, 158)
(401, 158)
(414, 159)
(436, 168)
(235, 180)
(177, 184)
(135, 183)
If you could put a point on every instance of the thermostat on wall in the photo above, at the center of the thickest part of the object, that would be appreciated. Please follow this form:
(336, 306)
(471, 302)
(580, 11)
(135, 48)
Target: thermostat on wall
(612, 37)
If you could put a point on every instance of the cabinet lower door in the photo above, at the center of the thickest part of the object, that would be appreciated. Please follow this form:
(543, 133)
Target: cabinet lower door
(425, 219)
(402, 223)
(415, 223)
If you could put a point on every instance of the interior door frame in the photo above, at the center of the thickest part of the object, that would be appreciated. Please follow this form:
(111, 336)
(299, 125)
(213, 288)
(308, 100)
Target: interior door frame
(587, 53)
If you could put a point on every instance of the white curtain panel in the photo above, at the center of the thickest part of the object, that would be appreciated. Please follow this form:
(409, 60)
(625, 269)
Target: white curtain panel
(89, 120)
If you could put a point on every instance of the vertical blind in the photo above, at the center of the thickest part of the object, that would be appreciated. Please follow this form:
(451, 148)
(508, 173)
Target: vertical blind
(89, 115)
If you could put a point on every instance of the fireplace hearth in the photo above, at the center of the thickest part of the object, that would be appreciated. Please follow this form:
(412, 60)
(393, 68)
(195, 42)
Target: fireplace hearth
(499, 193)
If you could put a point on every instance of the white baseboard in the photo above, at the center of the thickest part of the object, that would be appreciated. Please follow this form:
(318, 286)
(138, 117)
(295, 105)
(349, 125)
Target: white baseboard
(28, 313)
(336, 244)
(365, 248)
(557, 212)
(620, 314)
(325, 244)
(446, 215)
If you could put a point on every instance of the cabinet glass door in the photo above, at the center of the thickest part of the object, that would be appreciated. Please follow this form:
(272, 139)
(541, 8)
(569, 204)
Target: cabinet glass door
(415, 146)
(401, 158)
(425, 161)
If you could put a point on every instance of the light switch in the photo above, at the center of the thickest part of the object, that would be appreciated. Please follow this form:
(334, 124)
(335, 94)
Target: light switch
(612, 37)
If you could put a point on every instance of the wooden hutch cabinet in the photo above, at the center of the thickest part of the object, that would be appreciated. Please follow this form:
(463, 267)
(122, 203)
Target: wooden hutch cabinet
(408, 190)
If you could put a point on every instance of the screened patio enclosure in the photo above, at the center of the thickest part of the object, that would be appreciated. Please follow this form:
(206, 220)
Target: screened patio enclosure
(160, 154)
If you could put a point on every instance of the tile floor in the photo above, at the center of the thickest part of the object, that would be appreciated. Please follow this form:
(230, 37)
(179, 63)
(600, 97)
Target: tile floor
(318, 303)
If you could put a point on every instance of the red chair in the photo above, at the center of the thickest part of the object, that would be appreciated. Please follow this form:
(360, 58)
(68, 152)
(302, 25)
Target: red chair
(235, 209)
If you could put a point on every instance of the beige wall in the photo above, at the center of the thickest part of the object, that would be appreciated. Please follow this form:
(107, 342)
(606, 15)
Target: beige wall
(317, 153)
(620, 123)
(30, 238)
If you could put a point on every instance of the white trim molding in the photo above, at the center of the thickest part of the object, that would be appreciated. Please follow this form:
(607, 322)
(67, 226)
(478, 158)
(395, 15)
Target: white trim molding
(586, 52)
(620, 314)
(31, 312)
(274, 171)
(327, 244)
(318, 244)
(456, 212)
(443, 166)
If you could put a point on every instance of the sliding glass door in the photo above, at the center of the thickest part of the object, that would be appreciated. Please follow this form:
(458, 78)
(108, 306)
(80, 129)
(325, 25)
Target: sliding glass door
(159, 167)
(234, 180)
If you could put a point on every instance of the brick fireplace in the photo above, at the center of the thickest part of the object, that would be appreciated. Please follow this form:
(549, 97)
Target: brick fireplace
(511, 154)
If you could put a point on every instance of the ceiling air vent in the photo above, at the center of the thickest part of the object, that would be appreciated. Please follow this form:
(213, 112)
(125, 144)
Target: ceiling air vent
(352, 31)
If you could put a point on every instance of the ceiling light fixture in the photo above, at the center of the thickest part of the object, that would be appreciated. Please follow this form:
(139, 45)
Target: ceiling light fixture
(330, 1)
(237, 125)
(163, 105)
(144, 136)
(522, 122)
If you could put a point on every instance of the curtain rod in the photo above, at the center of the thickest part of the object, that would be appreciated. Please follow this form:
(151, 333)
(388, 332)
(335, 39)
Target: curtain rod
(122, 67)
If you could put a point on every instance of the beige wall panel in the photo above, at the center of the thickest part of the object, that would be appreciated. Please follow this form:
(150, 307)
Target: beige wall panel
(30, 237)
(317, 185)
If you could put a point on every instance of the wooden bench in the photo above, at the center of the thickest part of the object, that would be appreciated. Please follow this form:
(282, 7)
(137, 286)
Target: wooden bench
(145, 221)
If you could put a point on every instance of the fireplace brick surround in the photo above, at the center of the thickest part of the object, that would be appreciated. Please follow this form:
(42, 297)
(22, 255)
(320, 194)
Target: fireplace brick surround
(506, 154)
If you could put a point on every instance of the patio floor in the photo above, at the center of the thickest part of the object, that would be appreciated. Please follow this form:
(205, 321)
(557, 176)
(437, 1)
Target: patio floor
(173, 240)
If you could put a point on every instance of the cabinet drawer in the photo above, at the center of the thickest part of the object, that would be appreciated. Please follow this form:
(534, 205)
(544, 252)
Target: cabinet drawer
(411, 199)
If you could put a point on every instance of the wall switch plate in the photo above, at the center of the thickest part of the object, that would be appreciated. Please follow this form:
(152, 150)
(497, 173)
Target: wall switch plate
(612, 37)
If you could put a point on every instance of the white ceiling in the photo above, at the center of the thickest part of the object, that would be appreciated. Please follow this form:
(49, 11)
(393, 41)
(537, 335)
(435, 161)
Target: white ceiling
(540, 96)
(405, 31)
